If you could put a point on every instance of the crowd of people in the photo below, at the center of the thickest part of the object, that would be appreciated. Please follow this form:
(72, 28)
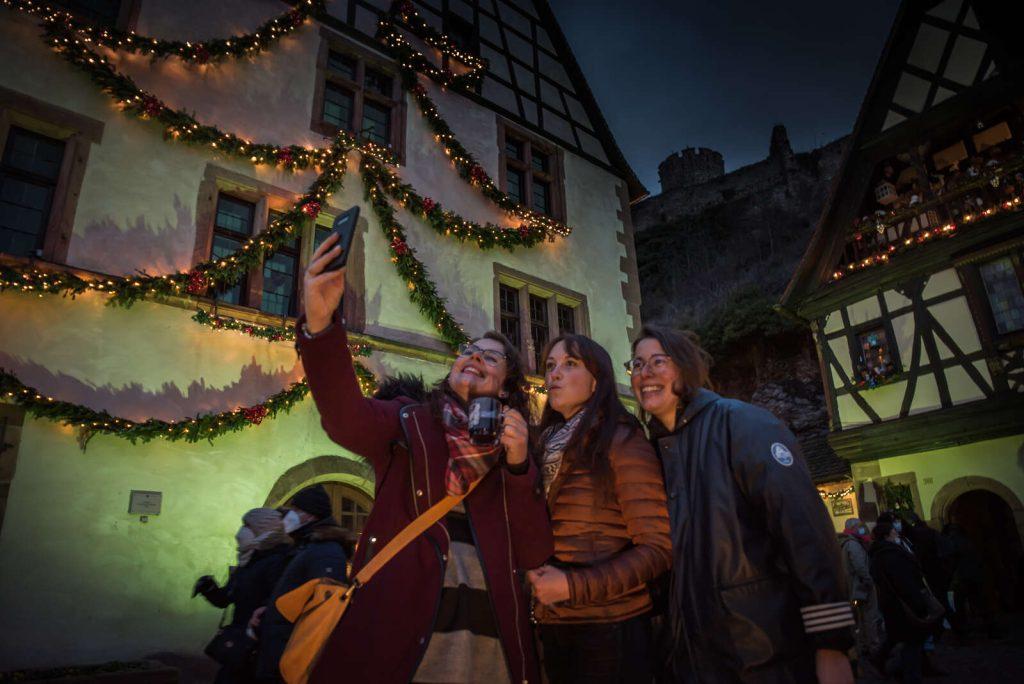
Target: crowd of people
(910, 584)
(686, 545)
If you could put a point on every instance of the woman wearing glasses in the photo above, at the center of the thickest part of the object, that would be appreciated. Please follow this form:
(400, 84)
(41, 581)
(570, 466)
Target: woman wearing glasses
(449, 607)
(758, 592)
(607, 501)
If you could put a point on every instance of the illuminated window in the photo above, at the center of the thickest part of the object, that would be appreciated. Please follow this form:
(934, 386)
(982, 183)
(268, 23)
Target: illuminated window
(1003, 290)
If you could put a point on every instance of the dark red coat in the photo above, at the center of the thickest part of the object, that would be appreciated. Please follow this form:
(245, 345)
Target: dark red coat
(384, 633)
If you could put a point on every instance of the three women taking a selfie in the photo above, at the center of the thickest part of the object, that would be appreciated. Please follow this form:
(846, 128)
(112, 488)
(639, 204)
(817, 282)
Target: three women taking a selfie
(565, 525)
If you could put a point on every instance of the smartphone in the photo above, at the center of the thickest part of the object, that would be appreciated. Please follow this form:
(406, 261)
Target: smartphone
(345, 227)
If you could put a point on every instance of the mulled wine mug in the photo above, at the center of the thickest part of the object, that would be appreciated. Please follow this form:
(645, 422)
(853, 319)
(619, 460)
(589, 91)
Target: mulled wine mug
(485, 420)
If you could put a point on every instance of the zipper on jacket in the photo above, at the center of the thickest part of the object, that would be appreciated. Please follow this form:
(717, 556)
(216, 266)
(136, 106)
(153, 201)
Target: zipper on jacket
(412, 474)
(426, 466)
(512, 574)
(490, 596)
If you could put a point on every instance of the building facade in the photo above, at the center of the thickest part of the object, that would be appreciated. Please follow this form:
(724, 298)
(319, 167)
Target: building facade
(169, 168)
(912, 283)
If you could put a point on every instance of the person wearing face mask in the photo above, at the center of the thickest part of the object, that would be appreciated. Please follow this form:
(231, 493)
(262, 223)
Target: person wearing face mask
(855, 542)
(607, 500)
(450, 607)
(758, 592)
(262, 556)
(319, 551)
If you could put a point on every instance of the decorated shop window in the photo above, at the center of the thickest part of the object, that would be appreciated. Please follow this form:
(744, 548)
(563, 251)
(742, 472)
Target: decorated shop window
(876, 360)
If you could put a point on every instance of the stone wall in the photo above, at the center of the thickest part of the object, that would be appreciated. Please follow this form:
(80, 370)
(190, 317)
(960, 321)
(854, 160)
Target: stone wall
(714, 257)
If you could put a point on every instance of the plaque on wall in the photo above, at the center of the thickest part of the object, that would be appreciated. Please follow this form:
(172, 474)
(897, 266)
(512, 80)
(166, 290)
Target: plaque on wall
(144, 503)
(842, 507)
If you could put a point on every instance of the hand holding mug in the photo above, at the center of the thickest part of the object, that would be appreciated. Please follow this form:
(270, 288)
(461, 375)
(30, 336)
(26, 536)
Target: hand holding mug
(514, 436)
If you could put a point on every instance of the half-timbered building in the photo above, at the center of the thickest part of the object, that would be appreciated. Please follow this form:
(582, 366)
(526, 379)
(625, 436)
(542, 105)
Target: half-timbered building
(912, 283)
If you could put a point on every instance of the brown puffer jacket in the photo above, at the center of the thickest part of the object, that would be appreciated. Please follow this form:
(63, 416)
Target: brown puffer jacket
(613, 546)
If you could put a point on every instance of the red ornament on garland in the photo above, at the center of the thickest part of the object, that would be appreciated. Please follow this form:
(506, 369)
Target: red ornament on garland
(447, 75)
(429, 205)
(200, 55)
(151, 106)
(255, 414)
(296, 18)
(477, 174)
(311, 209)
(399, 247)
(196, 283)
(419, 90)
(285, 156)
(247, 330)
(406, 8)
(524, 232)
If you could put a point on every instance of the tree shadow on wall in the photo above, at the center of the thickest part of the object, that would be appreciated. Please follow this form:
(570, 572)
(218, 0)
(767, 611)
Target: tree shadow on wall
(137, 403)
(108, 247)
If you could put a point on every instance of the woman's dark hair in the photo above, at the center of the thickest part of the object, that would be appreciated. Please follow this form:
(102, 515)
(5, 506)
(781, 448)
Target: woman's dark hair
(590, 446)
(514, 386)
(683, 346)
(882, 530)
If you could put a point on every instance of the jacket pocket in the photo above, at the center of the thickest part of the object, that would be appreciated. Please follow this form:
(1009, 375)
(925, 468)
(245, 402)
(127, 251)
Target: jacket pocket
(760, 622)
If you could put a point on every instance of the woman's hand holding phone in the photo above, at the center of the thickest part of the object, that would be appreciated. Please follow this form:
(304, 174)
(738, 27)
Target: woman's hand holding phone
(322, 290)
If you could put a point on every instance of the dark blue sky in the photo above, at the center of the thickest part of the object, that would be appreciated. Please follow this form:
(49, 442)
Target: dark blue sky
(670, 74)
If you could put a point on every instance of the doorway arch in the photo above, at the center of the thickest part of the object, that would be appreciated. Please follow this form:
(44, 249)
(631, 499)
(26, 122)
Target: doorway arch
(357, 474)
(349, 484)
(989, 515)
(953, 489)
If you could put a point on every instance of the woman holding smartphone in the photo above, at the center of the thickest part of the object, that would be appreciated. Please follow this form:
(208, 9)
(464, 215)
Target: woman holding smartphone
(607, 501)
(449, 607)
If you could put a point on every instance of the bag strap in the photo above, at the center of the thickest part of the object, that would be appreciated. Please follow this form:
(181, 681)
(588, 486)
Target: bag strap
(411, 531)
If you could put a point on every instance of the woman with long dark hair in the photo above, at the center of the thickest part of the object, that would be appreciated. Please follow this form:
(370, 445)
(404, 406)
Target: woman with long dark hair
(607, 501)
(450, 606)
(758, 592)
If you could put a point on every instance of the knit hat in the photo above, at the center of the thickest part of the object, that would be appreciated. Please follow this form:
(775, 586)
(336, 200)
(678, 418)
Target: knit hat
(313, 500)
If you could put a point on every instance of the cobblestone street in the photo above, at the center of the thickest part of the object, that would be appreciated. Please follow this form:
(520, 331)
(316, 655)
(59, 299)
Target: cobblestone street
(978, 659)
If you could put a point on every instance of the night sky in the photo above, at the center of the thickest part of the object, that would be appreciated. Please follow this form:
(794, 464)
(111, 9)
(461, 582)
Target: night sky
(720, 73)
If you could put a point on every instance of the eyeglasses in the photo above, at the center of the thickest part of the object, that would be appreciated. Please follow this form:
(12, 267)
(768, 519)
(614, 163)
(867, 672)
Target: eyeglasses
(491, 358)
(657, 362)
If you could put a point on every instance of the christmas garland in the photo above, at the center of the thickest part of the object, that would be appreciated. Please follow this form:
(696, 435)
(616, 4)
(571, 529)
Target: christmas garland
(404, 12)
(412, 62)
(208, 426)
(422, 290)
(200, 52)
(215, 273)
(448, 223)
(90, 421)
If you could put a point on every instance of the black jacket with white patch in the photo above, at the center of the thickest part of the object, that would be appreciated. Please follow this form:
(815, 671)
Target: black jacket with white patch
(758, 580)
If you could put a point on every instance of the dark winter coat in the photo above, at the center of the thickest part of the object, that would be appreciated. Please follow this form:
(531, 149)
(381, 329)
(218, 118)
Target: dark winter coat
(898, 576)
(319, 552)
(248, 588)
(758, 584)
(250, 585)
(389, 623)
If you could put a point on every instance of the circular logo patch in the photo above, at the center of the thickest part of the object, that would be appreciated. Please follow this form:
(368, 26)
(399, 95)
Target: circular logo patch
(782, 454)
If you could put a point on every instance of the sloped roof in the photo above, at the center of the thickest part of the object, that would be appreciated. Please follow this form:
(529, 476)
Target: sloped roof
(823, 462)
(914, 83)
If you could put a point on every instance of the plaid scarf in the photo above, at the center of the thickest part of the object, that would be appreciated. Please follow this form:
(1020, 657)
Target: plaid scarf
(467, 462)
